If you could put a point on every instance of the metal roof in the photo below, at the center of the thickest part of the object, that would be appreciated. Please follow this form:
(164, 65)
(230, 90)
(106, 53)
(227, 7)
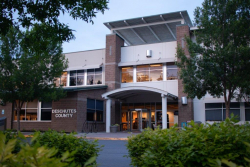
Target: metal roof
(149, 29)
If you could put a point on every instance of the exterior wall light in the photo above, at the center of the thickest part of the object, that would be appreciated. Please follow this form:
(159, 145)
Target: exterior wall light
(184, 100)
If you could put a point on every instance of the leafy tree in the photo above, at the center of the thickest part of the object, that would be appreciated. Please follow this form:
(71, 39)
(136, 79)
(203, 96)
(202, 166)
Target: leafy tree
(218, 60)
(26, 13)
(29, 63)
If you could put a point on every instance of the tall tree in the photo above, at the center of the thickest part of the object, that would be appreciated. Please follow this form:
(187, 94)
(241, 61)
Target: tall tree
(219, 60)
(26, 13)
(29, 63)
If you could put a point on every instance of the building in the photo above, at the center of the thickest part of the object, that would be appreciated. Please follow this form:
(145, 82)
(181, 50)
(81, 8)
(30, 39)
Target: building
(132, 82)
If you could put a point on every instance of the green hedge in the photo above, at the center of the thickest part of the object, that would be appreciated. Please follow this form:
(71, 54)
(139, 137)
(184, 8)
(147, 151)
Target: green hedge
(198, 145)
(83, 149)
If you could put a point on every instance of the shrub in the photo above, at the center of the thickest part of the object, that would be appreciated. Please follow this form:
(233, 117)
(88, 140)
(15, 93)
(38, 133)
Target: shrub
(83, 149)
(29, 156)
(193, 146)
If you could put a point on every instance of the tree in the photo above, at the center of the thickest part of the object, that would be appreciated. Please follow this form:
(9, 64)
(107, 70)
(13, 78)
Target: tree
(29, 63)
(26, 13)
(219, 61)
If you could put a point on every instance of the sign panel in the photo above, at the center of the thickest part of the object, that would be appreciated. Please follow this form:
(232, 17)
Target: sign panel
(64, 113)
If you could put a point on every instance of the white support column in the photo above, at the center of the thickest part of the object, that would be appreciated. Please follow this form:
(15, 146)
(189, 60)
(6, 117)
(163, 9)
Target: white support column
(108, 114)
(134, 74)
(164, 111)
(164, 73)
(68, 78)
(85, 77)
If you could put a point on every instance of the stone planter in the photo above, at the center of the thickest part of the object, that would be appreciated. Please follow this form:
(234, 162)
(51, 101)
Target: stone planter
(113, 129)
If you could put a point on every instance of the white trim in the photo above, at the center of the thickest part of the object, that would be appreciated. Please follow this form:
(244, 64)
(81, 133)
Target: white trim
(84, 67)
(151, 61)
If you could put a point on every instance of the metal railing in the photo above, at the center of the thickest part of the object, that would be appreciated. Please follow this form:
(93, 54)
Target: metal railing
(89, 127)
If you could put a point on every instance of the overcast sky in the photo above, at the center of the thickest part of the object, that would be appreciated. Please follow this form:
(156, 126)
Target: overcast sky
(89, 37)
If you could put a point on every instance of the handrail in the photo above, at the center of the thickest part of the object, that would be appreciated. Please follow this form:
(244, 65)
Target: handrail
(89, 127)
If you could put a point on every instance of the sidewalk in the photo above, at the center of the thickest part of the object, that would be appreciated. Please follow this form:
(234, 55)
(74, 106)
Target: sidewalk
(108, 136)
(99, 135)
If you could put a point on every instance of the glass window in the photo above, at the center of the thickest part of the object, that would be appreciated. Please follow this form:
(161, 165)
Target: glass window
(217, 111)
(94, 76)
(151, 72)
(156, 72)
(62, 81)
(247, 114)
(46, 110)
(127, 74)
(214, 115)
(30, 111)
(172, 72)
(76, 78)
(94, 110)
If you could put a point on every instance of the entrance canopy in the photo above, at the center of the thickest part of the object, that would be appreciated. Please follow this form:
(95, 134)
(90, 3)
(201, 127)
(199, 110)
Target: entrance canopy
(135, 93)
(132, 91)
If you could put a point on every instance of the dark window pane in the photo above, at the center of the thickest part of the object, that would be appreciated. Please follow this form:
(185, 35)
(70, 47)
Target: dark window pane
(213, 105)
(247, 112)
(90, 115)
(213, 115)
(46, 114)
(46, 104)
(139, 105)
(98, 70)
(80, 72)
(99, 115)
(247, 105)
(98, 79)
(158, 106)
(91, 103)
(232, 105)
(72, 73)
(99, 105)
(235, 112)
(72, 81)
(80, 80)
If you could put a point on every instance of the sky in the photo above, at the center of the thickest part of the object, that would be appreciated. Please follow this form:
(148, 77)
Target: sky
(92, 36)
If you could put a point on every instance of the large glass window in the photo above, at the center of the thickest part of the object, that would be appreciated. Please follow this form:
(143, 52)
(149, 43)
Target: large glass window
(247, 111)
(151, 72)
(172, 72)
(30, 111)
(62, 80)
(217, 111)
(94, 76)
(127, 74)
(76, 78)
(94, 110)
(46, 110)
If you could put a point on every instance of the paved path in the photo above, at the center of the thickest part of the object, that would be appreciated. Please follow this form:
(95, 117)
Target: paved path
(108, 136)
(112, 154)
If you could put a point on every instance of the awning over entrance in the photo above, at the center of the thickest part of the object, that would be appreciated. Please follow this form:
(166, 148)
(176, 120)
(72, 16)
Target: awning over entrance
(123, 93)
(137, 91)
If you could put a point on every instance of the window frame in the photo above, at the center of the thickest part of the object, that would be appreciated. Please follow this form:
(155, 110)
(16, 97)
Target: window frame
(94, 74)
(95, 110)
(149, 70)
(222, 108)
(39, 112)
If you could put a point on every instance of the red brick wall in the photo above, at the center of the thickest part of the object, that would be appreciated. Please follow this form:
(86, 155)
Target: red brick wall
(66, 124)
(185, 111)
(7, 113)
(33, 125)
(82, 108)
(112, 72)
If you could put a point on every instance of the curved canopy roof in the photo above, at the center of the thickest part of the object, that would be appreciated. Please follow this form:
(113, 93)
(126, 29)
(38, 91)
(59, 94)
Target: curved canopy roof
(127, 92)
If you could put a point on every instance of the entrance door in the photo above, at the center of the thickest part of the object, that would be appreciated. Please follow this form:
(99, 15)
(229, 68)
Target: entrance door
(135, 120)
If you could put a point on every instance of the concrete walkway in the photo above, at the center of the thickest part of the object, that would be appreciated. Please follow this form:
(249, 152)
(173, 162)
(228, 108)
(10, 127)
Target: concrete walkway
(100, 135)
(108, 136)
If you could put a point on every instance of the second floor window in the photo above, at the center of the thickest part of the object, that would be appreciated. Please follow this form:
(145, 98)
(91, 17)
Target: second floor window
(76, 78)
(62, 80)
(127, 74)
(94, 76)
(151, 72)
(172, 72)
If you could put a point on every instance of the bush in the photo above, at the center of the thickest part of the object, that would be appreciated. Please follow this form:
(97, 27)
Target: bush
(83, 149)
(193, 146)
(30, 156)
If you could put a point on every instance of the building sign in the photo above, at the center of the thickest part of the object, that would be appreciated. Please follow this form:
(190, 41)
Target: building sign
(63, 113)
